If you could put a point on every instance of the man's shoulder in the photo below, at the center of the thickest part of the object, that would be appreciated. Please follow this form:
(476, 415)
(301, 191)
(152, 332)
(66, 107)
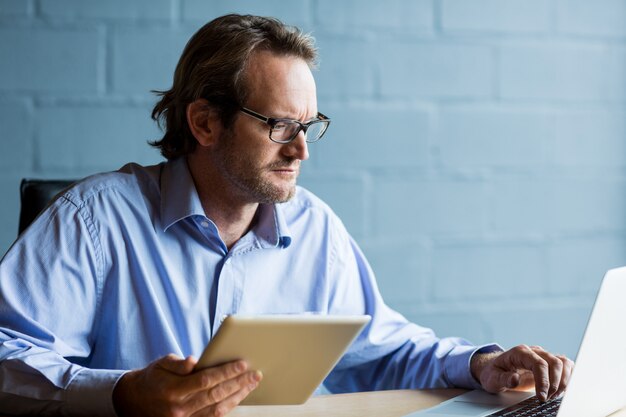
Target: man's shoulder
(130, 181)
(304, 199)
(307, 207)
(309, 218)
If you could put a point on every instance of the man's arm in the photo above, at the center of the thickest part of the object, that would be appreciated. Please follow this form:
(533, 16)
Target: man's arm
(391, 353)
(35, 380)
(49, 285)
(49, 281)
(523, 367)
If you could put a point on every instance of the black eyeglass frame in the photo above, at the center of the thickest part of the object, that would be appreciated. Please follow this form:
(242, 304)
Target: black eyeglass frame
(273, 121)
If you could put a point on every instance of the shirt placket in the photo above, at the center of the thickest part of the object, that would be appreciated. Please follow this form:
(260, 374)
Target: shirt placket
(230, 286)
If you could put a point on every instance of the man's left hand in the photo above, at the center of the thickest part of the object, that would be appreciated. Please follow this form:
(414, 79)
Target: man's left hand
(522, 368)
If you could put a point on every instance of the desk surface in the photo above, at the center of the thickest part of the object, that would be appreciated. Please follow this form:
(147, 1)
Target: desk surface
(380, 404)
(395, 403)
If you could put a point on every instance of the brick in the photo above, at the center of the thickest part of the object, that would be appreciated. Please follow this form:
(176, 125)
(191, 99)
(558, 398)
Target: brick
(395, 15)
(435, 70)
(598, 18)
(342, 74)
(345, 195)
(9, 210)
(112, 9)
(513, 16)
(16, 120)
(381, 136)
(412, 207)
(589, 205)
(522, 206)
(482, 272)
(15, 8)
(577, 265)
(466, 324)
(43, 60)
(297, 13)
(572, 72)
(471, 137)
(557, 329)
(144, 60)
(591, 138)
(94, 138)
(548, 205)
(401, 270)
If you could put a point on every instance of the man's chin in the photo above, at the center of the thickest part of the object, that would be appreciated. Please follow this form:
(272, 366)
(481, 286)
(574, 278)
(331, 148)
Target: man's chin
(276, 195)
(282, 191)
(286, 195)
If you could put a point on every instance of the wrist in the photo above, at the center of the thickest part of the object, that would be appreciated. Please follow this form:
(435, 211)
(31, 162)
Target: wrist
(122, 394)
(479, 361)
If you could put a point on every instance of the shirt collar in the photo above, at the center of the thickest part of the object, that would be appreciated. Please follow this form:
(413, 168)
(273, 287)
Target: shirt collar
(179, 200)
(271, 228)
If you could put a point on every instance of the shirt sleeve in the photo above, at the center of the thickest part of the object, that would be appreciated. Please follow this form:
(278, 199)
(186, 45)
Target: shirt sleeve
(50, 281)
(391, 352)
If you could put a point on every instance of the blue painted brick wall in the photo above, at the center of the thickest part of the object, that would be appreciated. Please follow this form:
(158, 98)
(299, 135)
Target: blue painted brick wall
(477, 152)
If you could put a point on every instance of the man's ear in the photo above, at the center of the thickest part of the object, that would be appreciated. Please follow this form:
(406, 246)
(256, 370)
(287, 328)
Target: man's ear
(204, 122)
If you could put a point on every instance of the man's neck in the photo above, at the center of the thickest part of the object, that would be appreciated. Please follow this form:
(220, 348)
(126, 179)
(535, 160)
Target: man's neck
(232, 222)
(232, 216)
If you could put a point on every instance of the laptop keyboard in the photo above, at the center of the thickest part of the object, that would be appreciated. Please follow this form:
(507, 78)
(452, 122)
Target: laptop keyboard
(531, 407)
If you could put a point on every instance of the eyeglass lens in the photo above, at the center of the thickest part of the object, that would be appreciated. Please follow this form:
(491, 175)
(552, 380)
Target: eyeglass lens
(286, 131)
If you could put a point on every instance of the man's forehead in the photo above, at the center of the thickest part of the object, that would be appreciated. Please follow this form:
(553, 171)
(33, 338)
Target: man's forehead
(269, 74)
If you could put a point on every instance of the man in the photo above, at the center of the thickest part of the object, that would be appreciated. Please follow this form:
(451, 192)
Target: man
(135, 269)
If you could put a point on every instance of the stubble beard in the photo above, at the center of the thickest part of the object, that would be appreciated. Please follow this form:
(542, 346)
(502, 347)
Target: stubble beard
(251, 179)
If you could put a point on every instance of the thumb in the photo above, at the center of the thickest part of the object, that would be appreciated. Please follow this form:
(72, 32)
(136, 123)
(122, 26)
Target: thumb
(176, 364)
(498, 381)
(512, 380)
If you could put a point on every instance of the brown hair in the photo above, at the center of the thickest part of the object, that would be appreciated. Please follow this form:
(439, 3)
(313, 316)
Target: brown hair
(212, 67)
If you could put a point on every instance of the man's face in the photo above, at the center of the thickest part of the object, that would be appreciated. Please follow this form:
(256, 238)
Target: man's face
(256, 169)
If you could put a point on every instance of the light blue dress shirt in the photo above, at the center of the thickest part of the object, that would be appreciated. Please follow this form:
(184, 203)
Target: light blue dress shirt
(125, 267)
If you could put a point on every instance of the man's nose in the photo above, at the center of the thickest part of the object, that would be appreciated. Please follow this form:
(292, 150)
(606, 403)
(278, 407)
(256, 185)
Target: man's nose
(297, 148)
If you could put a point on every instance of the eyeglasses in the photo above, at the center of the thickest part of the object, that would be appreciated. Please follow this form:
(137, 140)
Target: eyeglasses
(285, 130)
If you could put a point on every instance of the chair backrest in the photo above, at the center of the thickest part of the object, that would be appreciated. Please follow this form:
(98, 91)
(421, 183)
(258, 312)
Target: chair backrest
(35, 195)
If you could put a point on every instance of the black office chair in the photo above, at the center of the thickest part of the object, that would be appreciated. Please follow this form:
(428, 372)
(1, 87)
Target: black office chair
(35, 196)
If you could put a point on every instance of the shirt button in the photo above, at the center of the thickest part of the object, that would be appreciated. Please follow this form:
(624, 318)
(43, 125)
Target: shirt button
(204, 224)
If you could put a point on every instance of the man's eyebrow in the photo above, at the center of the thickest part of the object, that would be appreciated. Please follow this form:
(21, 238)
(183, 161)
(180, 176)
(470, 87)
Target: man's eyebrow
(316, 117)
(310, 119)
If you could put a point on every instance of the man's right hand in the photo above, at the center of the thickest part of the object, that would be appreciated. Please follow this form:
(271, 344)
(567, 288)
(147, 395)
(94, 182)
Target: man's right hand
(169, 387)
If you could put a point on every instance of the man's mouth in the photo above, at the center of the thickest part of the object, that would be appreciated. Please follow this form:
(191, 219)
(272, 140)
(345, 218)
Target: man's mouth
(283, 168)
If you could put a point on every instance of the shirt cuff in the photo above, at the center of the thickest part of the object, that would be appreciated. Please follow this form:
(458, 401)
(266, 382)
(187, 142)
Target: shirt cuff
(458, 361)
(91, 392)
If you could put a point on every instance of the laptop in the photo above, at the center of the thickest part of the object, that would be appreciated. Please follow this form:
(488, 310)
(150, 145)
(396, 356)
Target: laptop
(294, 352)
(597, 386)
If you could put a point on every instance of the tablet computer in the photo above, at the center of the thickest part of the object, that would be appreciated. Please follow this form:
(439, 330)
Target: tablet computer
(294, 352)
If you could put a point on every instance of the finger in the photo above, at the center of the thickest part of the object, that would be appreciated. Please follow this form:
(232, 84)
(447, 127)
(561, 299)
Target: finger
(555, 371)
(527, 380)
(568, 368)
(210, 377)
(498, 380)
(176, 364)
(520, 357)
(222, 391)
(523, 357)
(224, 407)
